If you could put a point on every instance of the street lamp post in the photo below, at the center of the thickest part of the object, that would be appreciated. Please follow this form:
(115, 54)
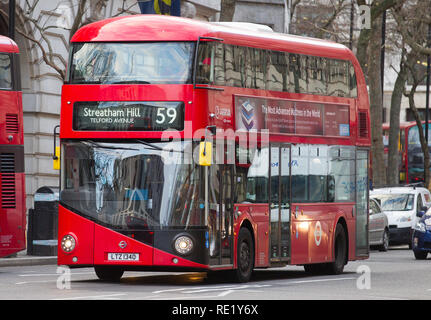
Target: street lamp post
(382, 55)
(427, 98)
(352, 14)
(11, 31)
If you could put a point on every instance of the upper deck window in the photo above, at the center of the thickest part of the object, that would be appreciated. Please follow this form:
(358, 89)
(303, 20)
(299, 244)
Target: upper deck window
(132, 63)
(5, 72)
(244, 67)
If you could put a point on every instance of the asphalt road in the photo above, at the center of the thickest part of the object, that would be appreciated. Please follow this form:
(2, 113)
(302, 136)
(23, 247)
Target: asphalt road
(392, 275)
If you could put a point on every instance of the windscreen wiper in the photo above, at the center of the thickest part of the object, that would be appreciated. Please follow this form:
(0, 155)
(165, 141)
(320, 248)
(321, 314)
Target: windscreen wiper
(130, 82)
(154, 147)
(98, 145)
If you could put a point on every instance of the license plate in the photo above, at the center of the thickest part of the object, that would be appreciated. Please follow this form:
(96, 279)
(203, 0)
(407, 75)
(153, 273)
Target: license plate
(114, 256)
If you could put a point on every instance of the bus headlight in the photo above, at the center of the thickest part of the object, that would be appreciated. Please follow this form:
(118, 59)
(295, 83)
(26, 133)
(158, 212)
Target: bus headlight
(183, 245)
(68, 243)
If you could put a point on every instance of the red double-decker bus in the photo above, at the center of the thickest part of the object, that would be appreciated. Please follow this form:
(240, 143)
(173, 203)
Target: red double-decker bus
(411, 156)
(285, 180)
(12, 209)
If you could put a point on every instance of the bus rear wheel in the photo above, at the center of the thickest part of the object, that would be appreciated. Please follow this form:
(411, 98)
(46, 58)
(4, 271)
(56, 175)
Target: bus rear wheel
(340, 251)
(245, 256)
(107, 273)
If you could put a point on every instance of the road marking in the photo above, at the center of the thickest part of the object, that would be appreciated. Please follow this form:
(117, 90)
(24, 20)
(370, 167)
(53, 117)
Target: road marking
(230, 288)
(387, 298)
(51, 274)
(106, 296)
(225, 290)
(40, 281)
(225, 293)
(320, 280)
(181, 289)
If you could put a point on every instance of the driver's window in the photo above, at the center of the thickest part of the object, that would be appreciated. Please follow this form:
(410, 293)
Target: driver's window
(205, 67)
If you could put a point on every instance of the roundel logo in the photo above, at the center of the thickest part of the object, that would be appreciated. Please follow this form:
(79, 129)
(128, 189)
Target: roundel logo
(318, 233)
(122, 244)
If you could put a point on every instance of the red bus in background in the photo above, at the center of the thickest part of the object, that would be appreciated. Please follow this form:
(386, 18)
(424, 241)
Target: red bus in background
(12, 178)
(287, 182)
(411, 157)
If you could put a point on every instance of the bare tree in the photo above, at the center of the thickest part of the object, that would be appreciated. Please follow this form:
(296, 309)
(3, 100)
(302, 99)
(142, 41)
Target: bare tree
(331, 22)
(38, 31)
(369, 56)
(410, 95)
(410, 17)
(394, 127)
(376, 101)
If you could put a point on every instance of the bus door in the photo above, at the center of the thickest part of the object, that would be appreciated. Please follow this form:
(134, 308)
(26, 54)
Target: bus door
(362, 202)
(279, 202)
(220, 220)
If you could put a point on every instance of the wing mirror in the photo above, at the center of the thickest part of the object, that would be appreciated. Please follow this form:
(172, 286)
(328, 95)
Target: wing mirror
(422, 212)
(205, 148)
(56, 155)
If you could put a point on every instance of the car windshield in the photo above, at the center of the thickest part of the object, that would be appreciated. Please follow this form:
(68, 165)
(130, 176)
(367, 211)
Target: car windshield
(395, 202)
(135, 185)
(132, 63)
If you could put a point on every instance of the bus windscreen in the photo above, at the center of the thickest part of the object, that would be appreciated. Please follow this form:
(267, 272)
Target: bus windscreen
(132, 63)
(133, 185)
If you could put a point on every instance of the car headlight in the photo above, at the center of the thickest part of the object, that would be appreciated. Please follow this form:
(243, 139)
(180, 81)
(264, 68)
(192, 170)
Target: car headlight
(420, 226)
(68, 243)
(183, 245)
(405, 219)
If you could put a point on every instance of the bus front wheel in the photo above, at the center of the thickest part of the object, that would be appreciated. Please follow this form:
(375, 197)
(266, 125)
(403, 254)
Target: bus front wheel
(107, 273)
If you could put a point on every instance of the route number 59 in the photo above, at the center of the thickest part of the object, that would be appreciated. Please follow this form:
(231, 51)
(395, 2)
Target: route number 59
(164, 114)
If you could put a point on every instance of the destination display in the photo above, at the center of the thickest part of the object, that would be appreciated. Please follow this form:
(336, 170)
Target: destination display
(289, 116)
(128, 116)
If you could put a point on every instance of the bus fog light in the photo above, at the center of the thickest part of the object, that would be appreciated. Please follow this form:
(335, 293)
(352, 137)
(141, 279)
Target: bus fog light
(183, 245)
(68, 243)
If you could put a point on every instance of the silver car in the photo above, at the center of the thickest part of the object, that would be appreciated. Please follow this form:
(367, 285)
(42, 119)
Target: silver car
(378, 227)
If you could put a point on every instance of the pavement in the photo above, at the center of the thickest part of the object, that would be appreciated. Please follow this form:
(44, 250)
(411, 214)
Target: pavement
(23, 259)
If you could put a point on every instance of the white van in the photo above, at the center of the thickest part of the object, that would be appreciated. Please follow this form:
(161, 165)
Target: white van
(401, 204)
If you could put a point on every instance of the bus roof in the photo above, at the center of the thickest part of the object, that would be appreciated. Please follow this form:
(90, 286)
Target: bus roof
(146, 27)
(8, 45)
(403, 125)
